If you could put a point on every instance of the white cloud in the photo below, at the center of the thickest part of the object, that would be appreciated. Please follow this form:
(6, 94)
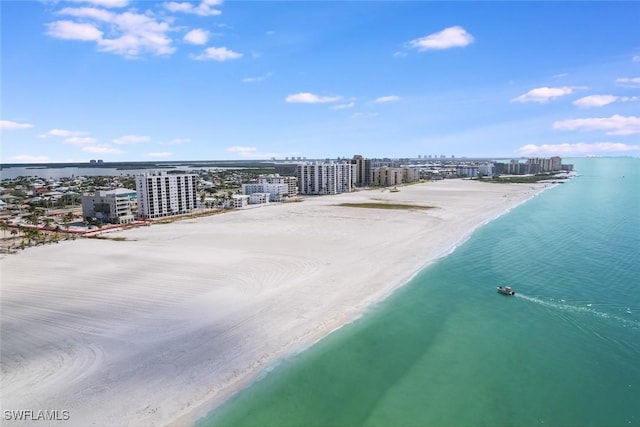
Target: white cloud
(26, 158)
(88, 12)
(256, 79)
(544, 94)
(217, 54)
(343, 106)
(241, 150)
(197, 36)
(159, 154)
(80, 140)
(129, 34)
(176, 141)
(69, 30)
(104, 3)
(363, 115)
(384, 99)
(629, 80)
(253, 153)
(445, 39)
(101, 149)
(602, 100)
(9, 125)
(399, 54)
(205, 8)
(614, 125)
(578, 148)
(131, 139)
(636, 58)
(64, 133)
(559, 76)
(310, 98)
(138, 34)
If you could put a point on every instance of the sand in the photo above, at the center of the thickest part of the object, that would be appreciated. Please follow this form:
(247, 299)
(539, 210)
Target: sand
(162, 327)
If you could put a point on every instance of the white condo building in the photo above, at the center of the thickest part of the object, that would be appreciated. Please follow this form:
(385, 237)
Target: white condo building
(111, 206)
(326, 178)
(161, 194)
(290, 181)
(277, 192)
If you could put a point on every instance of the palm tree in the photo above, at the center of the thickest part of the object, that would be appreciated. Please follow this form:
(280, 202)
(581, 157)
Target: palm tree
(5, 227)
(34, 218)
(47, 222)
(68, 219)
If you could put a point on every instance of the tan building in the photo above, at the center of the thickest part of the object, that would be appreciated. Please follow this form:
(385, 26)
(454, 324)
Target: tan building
(112, 206)
(386, 176)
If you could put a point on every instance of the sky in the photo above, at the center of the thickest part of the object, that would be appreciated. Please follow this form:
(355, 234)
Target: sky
(122, 80)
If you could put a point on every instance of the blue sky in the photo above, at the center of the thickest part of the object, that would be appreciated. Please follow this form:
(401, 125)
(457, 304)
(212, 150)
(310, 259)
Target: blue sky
(121, 80)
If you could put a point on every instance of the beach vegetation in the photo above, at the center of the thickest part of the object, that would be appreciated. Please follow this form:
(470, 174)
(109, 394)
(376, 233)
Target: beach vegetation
(375, 205)
(525, 179)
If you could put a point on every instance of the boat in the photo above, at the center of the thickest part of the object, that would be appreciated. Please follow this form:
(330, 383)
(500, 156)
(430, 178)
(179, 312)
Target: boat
(506, 290)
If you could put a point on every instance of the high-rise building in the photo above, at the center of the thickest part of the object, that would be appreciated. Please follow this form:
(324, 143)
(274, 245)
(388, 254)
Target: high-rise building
(363, 170)
(161, 194)
(326, 178)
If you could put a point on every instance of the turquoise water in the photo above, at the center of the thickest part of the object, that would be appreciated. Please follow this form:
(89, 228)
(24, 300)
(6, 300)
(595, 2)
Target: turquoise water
(447, 350)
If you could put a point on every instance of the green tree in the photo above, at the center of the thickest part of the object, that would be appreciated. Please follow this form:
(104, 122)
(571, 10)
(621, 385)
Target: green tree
(47, 222)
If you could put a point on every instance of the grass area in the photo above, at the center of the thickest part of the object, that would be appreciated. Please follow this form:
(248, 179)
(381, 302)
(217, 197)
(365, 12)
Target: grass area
(526, 179)
(116, 239)
(374, 205)
(169, 220)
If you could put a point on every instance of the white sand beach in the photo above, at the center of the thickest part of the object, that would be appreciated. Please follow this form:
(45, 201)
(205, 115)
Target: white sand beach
(160, 328)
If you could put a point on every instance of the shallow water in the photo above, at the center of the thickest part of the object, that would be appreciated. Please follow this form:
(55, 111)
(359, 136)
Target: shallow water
(447, 349)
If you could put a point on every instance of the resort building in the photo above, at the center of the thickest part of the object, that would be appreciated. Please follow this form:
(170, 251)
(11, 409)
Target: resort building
(277, 192)
(290, 181)
(161, 194)
(259, 198)
(326, 178)
(112, 206)
(239, 201)
(386, 176)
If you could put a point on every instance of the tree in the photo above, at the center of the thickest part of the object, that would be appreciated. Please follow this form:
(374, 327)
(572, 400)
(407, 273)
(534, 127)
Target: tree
(47, 222)
(5, 227)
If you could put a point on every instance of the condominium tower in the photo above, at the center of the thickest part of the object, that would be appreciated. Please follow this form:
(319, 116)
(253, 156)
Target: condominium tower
(161, 194)
(326, 178)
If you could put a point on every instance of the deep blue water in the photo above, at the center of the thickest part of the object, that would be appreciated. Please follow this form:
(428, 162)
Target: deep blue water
(447, 350)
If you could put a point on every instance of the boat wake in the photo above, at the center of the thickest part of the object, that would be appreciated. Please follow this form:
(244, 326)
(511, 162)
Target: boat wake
(587, 309)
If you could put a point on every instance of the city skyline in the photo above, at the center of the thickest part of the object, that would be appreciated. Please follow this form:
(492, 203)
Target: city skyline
(121, 80)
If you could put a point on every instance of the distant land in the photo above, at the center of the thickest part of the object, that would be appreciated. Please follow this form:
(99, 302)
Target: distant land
(220, 163)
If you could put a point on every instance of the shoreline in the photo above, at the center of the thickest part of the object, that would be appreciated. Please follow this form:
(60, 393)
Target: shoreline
(241, 385)
(241, 310)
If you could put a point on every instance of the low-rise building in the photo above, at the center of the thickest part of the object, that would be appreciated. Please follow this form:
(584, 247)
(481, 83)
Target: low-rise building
(239, 201)
(277, 192)
(290, 181)
(108, 206)
(258, 198)
(386, 176)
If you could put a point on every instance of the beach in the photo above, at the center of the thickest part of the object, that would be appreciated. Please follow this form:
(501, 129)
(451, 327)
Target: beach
(161, 327)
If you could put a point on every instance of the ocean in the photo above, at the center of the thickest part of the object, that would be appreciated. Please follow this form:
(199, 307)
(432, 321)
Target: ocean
(448, 350)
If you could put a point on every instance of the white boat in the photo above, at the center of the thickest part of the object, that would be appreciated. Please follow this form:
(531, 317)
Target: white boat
(506, 290)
